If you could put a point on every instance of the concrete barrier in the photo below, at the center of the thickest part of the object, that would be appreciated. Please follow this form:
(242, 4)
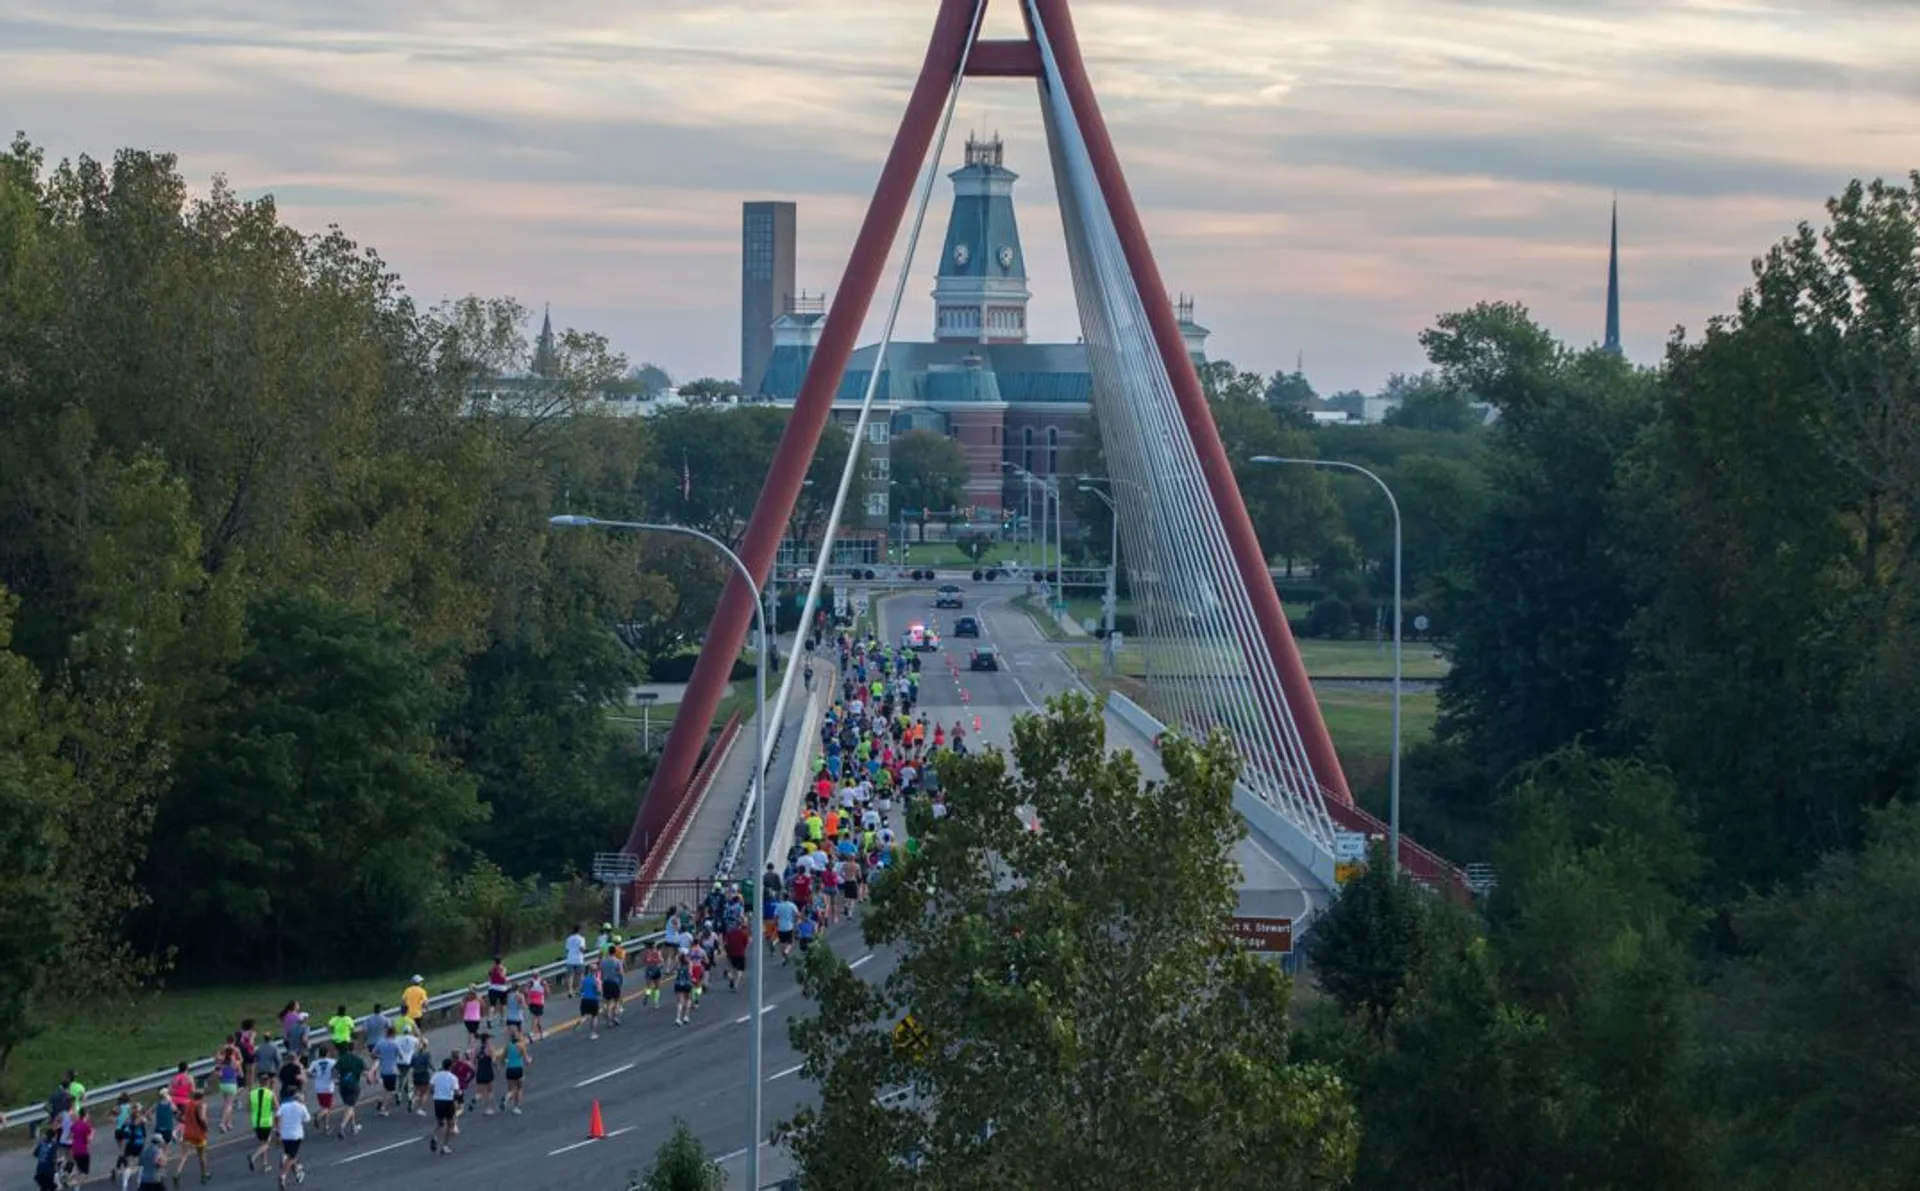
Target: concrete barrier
(799, 777)
(1262, 819)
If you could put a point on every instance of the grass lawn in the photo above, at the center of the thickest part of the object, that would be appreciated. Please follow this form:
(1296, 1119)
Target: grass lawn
(949, 555)
(108, 1043)
(1324, 659)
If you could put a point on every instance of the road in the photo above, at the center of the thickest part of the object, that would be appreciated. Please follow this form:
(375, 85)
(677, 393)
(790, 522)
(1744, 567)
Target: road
(649, 1072)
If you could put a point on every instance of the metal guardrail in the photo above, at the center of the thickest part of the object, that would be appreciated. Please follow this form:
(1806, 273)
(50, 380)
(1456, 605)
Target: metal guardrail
(436, 1008)
(729, 857)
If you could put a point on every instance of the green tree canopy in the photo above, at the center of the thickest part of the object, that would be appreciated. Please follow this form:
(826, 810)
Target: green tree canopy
(929, 473)
(1082, 1028)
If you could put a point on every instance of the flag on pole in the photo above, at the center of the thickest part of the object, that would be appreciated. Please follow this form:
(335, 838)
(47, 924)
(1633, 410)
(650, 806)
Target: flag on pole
(686, 478)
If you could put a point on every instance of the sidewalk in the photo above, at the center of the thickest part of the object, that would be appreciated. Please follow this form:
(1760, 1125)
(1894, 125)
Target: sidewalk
(713, 825)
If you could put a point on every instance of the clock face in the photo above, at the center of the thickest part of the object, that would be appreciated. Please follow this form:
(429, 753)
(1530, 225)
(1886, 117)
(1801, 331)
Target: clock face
(1006, 257)
(960, 254)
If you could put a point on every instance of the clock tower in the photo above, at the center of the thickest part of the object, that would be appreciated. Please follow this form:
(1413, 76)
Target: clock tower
(981, 293)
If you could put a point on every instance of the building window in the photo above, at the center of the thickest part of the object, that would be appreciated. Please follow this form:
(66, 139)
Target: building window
(996, 436)
(1053, 450)
(1026, 448)
(876, 504)
(879, 433)
(880, 468)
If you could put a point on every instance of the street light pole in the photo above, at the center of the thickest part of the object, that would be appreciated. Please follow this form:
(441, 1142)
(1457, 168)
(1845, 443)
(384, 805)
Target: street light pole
(757, 973)
(1113, 566)
(1393, 772)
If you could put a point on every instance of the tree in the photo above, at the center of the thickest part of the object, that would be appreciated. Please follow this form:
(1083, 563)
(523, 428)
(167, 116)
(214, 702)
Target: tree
(681, 1164)
(1540, 620)
(1291, 395)
(1424, 403)
(1044, 969)
(706, 390)
(649, 379)
(36, 911)
(1370, 944)
(314, 807)
(1813, 1033)
(929, 473)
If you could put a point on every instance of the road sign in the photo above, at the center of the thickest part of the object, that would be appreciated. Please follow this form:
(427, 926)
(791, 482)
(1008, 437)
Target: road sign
(1421, 624)
(1349, 845)
(1347, 870)
(1263, 934)
(910, 1039)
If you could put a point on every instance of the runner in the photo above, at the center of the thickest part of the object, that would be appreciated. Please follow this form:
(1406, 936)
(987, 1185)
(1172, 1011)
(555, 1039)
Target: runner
(446, 1090)
(323, 1073)
(613, 970)
(484, 1058)
(150, 1165)
(576, 959)
(537, 1004)
(738, 939)
(349, 1070)
(682, 996)
(293, 1118)
(517, 1062)
(652, 967)
(786, 916)
(420, 1074)
(340, 1029)
(131, 1131)
(193, 1135)
(590, 1003)
(260, 1114)
(180, 1089)
(386, 1058)
(227, 1070)
(497, 985)
(80, 1144)
(470, 1012)
(516, 1012)
(414, 1000)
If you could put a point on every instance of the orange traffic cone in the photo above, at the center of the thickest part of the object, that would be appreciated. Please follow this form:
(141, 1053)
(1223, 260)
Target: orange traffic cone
(596, 1129)
(976, 724)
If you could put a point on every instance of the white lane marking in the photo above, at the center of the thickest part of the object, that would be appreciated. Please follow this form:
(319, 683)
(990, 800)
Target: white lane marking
(740, 1153)
(863, 959)
(589, 1141)
(793, 1070)
(606, 1075)
(744, 1018)
(411, 1141)
(1022, 688)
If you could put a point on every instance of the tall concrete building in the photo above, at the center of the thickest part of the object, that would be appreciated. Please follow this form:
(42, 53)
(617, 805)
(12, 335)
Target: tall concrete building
(767, 235)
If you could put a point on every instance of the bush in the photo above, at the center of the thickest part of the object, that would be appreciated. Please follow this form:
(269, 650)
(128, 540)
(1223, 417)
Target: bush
(1330, 618)
(679, 668)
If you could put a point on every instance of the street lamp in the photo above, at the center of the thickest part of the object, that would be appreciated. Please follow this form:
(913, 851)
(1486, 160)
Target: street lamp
(1393, 772)
(757, 974)
(1056, 591)
(1113, 565)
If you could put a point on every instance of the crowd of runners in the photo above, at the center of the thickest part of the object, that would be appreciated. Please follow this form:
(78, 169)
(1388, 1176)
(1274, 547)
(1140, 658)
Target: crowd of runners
(299, 1078)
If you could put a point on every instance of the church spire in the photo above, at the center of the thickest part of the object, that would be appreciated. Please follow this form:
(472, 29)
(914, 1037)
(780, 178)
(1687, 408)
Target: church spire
(1613, 284)
(546, 361)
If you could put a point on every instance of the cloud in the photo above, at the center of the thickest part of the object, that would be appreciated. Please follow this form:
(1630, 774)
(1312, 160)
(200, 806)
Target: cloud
(1324, 177)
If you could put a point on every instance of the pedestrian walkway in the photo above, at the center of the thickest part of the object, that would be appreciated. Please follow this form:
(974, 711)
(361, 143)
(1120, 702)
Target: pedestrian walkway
(713, 826)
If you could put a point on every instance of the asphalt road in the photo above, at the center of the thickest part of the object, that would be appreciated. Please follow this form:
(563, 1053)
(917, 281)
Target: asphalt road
(649, 1072)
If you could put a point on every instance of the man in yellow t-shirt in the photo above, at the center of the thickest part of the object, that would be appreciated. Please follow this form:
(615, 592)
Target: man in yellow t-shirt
(340, 1028)
(414, 1000)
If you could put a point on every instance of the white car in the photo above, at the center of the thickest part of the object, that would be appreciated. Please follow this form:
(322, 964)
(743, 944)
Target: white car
(920, 638)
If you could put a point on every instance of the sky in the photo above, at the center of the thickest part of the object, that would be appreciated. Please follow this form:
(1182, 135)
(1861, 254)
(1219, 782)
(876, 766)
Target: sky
(1323, 177)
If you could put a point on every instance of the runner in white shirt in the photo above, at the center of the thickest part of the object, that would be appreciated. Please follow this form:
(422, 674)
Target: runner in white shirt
(293, 1117)
(322, 1075)
(446, 1108)
(576, 960)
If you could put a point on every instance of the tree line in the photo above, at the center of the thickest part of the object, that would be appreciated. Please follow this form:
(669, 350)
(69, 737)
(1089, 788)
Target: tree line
(1679, 721)
(295, 678)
